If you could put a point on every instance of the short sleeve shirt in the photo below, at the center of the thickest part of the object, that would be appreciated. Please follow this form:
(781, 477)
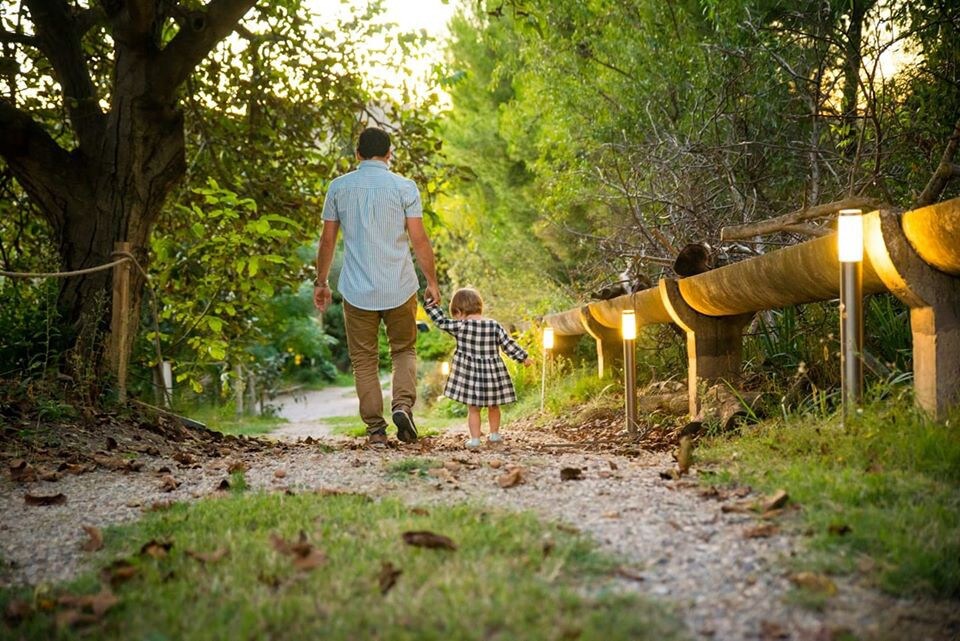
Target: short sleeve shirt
(372, 204)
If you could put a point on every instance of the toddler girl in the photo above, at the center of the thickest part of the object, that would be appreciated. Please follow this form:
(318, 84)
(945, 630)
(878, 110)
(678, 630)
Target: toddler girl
(478, 376)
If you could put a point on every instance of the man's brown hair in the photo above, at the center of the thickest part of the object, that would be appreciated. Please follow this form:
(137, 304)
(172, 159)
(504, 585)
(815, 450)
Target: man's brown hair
(466, 301)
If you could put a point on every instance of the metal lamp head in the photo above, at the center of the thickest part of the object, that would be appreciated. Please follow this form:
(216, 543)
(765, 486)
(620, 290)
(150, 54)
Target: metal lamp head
(850, 236)
(445, 368)
(628, 325)
(547, 338)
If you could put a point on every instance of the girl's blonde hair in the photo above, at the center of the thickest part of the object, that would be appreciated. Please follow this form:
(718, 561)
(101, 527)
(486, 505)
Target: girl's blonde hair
(466, 301)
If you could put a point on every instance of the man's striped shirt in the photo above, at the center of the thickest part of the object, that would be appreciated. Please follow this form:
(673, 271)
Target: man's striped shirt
(372, 204)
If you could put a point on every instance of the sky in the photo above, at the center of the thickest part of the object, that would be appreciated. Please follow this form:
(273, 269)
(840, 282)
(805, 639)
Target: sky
(409, 15)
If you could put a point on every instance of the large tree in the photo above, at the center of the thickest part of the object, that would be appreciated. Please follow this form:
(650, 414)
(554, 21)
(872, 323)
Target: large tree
(91, 124)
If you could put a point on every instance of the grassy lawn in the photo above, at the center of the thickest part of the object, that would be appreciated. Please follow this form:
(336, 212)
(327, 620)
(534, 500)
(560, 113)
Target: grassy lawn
(427, 425)
(510, 577)
(223, 419)
(880, 497)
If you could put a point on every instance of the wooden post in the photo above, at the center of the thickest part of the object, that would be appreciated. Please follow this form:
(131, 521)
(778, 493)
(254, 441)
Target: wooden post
(252, 393)
(238, 388)
(120, 322)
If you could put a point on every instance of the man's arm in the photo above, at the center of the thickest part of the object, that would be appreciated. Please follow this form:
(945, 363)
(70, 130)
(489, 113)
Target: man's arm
(424, 253)
(322, 295)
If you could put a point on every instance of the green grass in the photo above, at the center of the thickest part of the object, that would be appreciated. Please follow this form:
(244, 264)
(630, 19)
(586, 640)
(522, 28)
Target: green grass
(427, 425)
(512, 577)
(223, 419)
(891, 476)
(412, 467)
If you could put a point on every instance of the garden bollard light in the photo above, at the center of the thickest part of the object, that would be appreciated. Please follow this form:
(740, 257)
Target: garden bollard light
(850, 254)
(547, 346)
(628, 329)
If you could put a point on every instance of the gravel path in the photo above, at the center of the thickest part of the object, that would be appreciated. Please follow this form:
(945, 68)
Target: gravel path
(682, 547)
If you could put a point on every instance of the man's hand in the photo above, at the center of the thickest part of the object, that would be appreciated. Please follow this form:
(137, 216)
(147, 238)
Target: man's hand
(322, 297)
(431, 296)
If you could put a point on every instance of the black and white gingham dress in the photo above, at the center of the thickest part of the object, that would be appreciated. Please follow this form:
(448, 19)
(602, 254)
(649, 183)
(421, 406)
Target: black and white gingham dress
(478, 375)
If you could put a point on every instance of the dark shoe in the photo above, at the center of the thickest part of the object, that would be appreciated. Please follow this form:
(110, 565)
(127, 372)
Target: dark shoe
(406, 430)
(377, 439)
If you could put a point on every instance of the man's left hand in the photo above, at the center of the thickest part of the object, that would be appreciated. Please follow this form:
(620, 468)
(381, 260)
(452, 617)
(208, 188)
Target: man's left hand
(322, 297)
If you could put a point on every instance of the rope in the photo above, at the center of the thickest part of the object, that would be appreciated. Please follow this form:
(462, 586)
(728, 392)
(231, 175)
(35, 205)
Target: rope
(78, 272)
(125, 257)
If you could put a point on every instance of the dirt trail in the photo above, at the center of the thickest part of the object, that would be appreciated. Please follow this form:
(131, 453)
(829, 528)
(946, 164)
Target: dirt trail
(306, 411)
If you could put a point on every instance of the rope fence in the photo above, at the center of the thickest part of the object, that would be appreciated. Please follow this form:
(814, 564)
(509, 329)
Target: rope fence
(119, 326)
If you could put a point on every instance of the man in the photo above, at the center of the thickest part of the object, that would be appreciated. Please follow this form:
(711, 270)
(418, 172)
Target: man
(381, 217)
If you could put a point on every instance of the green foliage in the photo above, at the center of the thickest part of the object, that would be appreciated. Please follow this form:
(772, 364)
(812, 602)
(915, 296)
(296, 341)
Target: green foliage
(891, 476)
(502, 574)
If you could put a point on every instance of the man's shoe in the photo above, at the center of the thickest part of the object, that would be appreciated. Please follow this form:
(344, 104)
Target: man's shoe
(406, 430)
(377, 439)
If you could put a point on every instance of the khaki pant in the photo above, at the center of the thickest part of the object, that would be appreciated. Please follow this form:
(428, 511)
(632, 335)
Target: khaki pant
(362, 327)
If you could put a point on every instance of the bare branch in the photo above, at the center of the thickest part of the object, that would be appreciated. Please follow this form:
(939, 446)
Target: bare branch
(58, 37)
(790, 222)
(945, 171)
(8, 37)
(196, 40)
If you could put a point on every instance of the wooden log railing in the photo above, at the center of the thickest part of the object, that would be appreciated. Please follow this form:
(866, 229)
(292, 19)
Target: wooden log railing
(915, 256)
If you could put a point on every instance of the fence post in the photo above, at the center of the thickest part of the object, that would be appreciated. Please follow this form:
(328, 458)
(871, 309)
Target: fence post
(714, 343)
(609, 343)
(120, 322)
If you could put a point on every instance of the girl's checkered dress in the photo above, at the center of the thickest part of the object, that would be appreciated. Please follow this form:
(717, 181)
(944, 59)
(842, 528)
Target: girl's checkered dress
(478, 375)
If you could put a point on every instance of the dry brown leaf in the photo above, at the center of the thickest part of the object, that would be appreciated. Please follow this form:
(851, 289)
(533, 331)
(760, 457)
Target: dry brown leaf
(168, 483)
(839, 529)
(184, 458)
(159, 506)
(611, 515)
(224, 485)
(237, 466)
(777, 500)
(209, 557)
(685, 454)
(495, 464)
(97, 604)
(17, 610)
(814, 582)
(452, 466)
(761, 531)
(310, 560)
(156, 549)
(118, 572)
(70, 618)
(111, 443)
(420, 511)
(48, 475)
(280, 474)
(96, 539)
(511, 478)
(38, 499)
(388, 576)
(770, 630)
(629, 573)
(571, 474)
(22, 472)
(742, 491)
(426, 539)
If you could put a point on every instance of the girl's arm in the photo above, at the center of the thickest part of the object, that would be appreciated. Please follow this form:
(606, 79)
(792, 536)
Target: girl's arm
(510, 346)
(440, 320)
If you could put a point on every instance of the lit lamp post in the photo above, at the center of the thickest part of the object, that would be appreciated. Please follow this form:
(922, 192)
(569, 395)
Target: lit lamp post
(445, 369)
(547, 346)
(628, 328)
(850, 254)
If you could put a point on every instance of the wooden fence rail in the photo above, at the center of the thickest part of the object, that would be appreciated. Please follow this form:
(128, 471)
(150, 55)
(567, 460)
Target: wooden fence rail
(915, 256)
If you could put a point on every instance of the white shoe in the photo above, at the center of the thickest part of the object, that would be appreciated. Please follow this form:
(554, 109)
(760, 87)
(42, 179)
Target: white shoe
(473, 444)
(495, 438)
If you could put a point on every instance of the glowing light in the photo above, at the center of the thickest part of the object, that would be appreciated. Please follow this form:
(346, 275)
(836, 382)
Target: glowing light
(628, 325)
(547, 338)
(445, 368)
(850, 236)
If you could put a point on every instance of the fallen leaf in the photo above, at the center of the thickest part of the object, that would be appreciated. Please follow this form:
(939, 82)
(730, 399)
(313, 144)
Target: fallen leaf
(111, 443)
(770, 630)
(673, 474)
(237, 466)
(209, 557)
(164, 469)
(184, 458)
(685, 454)
(224, 485)
(777, 500)
(511, 478)
(310, 560)
(119, 572)
(22, 472)
(495, 464)
(452, 466)
(839, 529)
(426, 539)
(571, 474)
(97, 604)
(70, 618)
(611, 515)
(37, 499)
(741, 491)
(814, 582)
(388, 576)
(613, 466)
(761, 531)
(17, 610)
(168, 483)
(158, 506)
(48, 475)
(420, 511)
(305, 556)
(280, 474)
(629, 573)
(156, 549)
(96, 539)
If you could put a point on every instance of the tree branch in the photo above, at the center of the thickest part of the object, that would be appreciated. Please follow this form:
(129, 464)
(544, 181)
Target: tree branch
(790, 222)
(8, 37)
(36, 160)
(195, 40)
(58, 37)
(945, 171)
